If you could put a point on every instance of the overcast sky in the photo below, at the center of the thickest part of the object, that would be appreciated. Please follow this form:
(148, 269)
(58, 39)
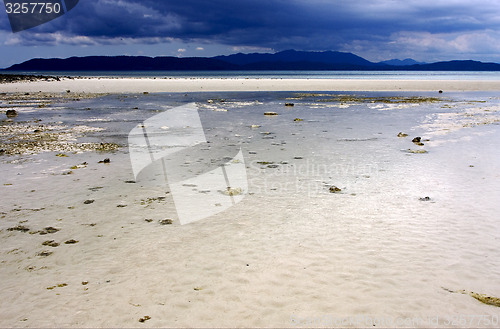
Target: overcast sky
(425, 30)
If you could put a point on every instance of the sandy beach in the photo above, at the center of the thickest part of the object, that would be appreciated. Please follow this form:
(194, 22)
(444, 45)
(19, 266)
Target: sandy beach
(131, 85)
(344, 219)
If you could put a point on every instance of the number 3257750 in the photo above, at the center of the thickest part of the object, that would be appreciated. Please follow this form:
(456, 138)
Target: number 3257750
(33, 8)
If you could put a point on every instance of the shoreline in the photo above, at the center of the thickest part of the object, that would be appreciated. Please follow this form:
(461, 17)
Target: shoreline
(139, 85)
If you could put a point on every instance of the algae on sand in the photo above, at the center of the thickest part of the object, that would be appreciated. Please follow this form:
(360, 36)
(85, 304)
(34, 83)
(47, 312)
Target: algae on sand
(483, 298)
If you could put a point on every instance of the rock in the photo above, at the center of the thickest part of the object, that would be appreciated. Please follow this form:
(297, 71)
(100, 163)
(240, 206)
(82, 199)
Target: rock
(440, 91)
(19, 228)
(61, 155)
(425, 199)
(416, 151)
(232, 191)
(166, 221)
(297, 120)
(44, 253)
(49, 230)
(334, 189)
(71, 241)
(50, 243)
(11, 113)
(416, 139)
(144, 318)
(107, 160)
(270, 113)
(402, 135)
(254, 126)
(84, 283)
(88, 201)
(289, 104)
(148, 220)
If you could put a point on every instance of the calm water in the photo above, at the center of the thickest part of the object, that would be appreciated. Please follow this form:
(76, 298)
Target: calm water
(385, 75)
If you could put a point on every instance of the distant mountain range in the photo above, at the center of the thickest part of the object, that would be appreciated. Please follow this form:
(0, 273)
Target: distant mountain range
(284, 60)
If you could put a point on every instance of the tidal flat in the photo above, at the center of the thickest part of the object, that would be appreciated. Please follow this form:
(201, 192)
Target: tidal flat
(344, 211)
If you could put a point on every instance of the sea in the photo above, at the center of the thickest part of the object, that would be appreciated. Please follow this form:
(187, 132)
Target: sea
(379, 75)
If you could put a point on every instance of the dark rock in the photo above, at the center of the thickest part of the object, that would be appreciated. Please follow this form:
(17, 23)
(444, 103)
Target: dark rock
(145, 318)
(402, 135)
(71, 241)
(88, 201)
(166, 221)
(297, 120)
(416, 139)
(44, 253)
(19, 228)
(107, 160)
(11, 113)
(289, 104)
(270, 113)
(50, 230)
(425, 199)
(50, 243)
(440, 91)
(334, 189)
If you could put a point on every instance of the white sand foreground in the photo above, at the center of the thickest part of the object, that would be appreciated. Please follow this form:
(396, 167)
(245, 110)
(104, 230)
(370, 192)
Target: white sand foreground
(131, 85)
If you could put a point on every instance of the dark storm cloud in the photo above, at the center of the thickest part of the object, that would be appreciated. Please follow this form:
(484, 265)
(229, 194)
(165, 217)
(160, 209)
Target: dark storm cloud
(278, 24)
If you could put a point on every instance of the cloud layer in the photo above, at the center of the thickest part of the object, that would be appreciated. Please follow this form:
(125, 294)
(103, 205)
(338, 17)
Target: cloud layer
(376, 29)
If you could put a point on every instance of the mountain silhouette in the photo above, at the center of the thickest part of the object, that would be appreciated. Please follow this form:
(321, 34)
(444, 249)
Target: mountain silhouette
(284, 60)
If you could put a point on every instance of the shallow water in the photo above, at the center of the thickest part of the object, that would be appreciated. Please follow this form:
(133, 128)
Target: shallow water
(373, 248)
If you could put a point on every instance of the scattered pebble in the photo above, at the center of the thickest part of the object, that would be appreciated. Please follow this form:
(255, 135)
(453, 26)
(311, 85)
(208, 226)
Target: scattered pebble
(270, 113)
(425, 199)
(144, 318)
(232, 191)
(148, 220)
(297, 120)
(289, 104)
(88, 201)
(416, 151)
(166, 221)
(50, 243)
(84, 283)
(11, 113)
(19, 228)
(254, 126)
(416, 139)
(71, 241)
(44, 253)
(48, 230)
(107, 160)
(334, 189)
(402, 135)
